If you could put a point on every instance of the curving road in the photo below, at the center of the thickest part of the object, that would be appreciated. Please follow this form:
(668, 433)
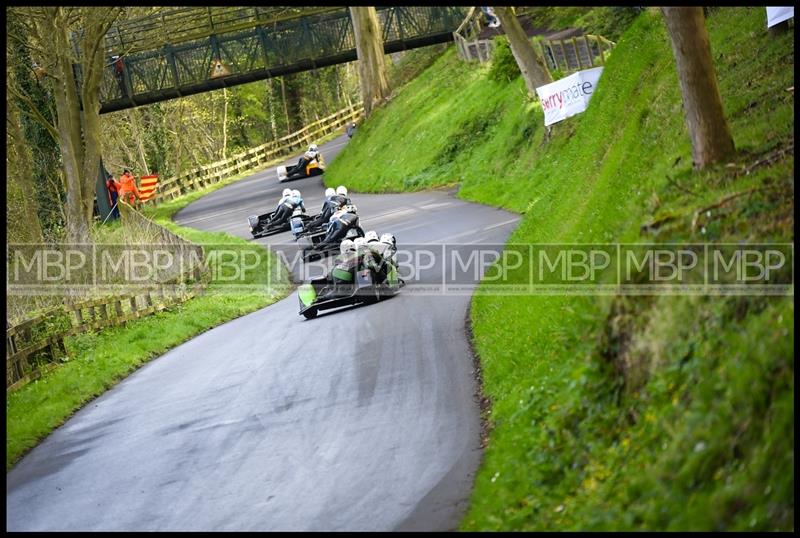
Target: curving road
(362, 419)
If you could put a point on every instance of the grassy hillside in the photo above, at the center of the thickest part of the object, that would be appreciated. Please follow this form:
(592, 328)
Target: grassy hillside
(619, 412)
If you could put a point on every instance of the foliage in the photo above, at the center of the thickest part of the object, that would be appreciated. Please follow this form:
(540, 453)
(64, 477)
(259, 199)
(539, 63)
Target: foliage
(504, 66)
(557, 73)
(50, 192)
(683, 417)
(185, 133)
(168, 137)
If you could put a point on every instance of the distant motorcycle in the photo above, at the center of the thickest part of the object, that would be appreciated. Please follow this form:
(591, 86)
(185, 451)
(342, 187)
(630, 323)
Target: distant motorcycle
(311, 164)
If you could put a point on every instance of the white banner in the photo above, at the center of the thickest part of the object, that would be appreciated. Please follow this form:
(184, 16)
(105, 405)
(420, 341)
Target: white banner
(568, 96)
(776, 15)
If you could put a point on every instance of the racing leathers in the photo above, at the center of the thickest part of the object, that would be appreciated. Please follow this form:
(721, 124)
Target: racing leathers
(378, 257)
(285, 208)
(341, 277)
(341, 222)
(329, 207)
(307, 157)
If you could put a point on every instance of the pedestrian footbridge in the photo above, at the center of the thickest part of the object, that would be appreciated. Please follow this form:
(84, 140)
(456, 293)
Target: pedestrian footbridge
(184, 51)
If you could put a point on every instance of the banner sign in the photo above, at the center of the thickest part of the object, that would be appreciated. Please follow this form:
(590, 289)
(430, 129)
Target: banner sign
(777, 15)
(568, 96)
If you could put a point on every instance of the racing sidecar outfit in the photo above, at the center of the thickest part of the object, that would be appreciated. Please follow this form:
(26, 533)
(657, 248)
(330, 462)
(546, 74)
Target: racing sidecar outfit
(307, 157)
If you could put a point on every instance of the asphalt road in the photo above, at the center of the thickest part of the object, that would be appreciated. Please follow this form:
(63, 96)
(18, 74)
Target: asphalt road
(362, 419)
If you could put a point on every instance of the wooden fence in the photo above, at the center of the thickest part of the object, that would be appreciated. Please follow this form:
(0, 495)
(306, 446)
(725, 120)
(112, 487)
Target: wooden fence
(215, 172)
(575, 53)
(567, 55)
(466, 38)
(36, 345)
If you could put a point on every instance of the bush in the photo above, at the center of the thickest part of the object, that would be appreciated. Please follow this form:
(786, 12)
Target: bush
(504, 65)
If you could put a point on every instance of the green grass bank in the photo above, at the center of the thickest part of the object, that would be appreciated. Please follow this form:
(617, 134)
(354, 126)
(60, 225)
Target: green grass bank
(618, 412)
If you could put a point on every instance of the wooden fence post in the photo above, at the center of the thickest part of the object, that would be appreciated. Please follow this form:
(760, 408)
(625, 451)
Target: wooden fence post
(589, 51)
(577, 53)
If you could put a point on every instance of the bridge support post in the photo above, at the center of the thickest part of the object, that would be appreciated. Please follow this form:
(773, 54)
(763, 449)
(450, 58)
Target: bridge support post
(169, 54)
(126, 78)
(101, 193)
(214, 48)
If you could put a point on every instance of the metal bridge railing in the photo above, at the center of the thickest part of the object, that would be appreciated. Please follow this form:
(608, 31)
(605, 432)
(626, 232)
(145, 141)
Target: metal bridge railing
(297, 44)
(174, 25)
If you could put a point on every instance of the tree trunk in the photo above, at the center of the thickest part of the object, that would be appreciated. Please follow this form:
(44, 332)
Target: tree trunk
(285, 106)
(78, 131)
(702, 103)
(137, 137)
(225, 124)
(350, 75)
(92, 61)
(69, 129)
(533, 71)
(293, 100)
(239, 119)
(271, 102)
(371, 59)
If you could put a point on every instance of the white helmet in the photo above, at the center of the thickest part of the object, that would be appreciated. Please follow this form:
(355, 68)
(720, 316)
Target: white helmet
(346, 246)
(360, 241)
(286, 192)
(296, 193)
(313, 147)
(330, 191)
(371, 236)
(388, 239)
(341, 190)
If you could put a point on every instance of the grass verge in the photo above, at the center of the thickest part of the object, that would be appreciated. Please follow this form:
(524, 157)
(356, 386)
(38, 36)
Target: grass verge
(100, 360)
(618, 413)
